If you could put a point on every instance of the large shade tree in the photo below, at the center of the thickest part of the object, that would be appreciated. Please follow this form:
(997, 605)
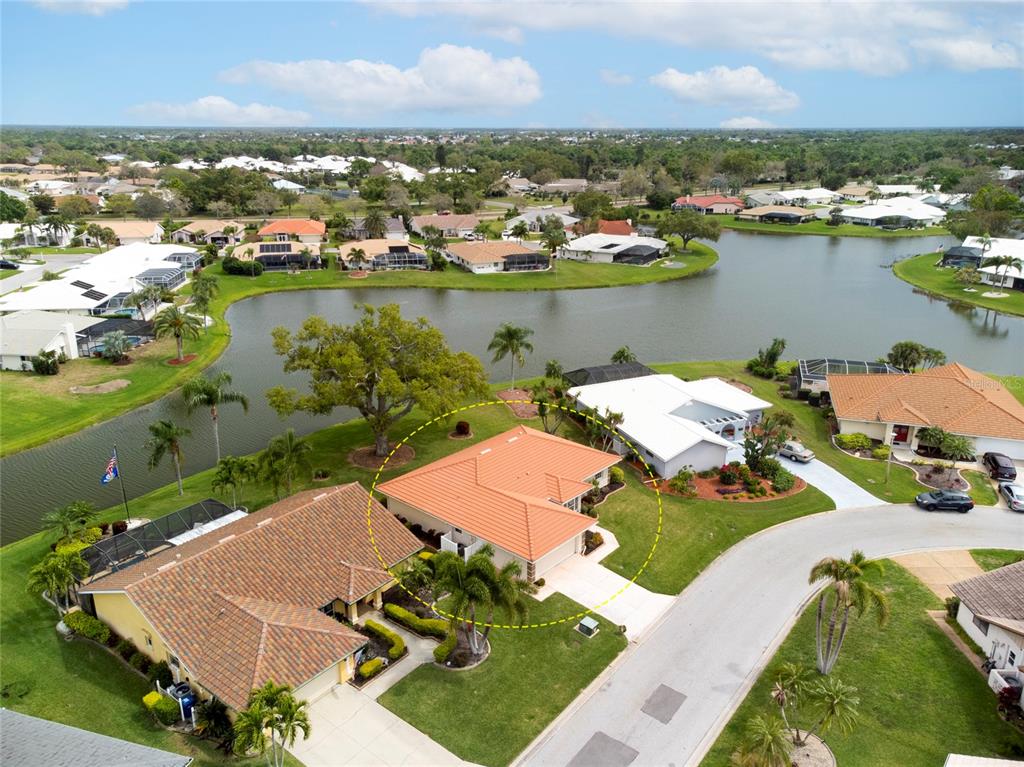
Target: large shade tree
(689, 225)
(383, 366)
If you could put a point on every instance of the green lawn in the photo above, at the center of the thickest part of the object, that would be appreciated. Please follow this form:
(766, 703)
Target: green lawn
(693, 534)
(812, 430)
(820, 227)
(46, 410)
(5, 273)
(921, 272)
(489, 714)
(920, 698)
(981, 488)
(62, 251)
(993, 559)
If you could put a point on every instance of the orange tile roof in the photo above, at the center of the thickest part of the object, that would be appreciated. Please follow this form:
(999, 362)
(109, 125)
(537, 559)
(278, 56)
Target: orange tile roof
(953, 397)
(294, 226)
(241, 604)
(508, 489)
(486, 252)
(614, 227)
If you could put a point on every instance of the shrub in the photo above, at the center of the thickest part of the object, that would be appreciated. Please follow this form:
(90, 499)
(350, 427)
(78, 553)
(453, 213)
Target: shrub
(87, 626)
(113, 639)
(768, 468)
(49, 276)
(104, 527)
(462, 428)
(160, 672)
(727, 476)
(321, 473)
(119, 527)
(426, 626)
(814, 399)
(616, 475)
(426, 555)
(396, 648)
(443, 650)
(70, 547)
(369, 669)
(880, 453)
(952, 606)
(150, 699)
(539, 583)
(682, 483)
(783, 481)
(45, 364)
(707, 473)
(126, 648)
(855, 441)
(751, 485)
(140, 662)
(166, 710)
(232, 265)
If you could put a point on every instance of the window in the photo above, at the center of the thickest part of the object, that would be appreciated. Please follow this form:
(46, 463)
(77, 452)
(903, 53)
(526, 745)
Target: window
(1011, 659)
(982, 625)
(148, 638)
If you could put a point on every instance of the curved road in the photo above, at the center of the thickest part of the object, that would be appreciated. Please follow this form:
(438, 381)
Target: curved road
(725, 627)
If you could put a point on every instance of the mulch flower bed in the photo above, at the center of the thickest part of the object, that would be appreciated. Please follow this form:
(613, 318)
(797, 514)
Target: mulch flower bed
(740, 385)
(187, 359)
(707, 490)
(520, 410)
(358, 275)
(366, 458)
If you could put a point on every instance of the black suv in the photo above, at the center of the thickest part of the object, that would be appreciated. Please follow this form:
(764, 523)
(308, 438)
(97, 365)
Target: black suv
(1000, 466)
(945, 499)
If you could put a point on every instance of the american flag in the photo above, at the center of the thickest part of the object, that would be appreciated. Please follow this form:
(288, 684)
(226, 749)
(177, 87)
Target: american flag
(111, 471)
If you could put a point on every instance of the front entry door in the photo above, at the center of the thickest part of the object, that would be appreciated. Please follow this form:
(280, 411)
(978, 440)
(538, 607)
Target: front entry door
(900, 434)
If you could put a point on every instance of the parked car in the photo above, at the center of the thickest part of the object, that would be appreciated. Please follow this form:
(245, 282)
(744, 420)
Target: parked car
(5, 264)
(945, 499)
(1014, 495)
(794, 451)
(1000, 466)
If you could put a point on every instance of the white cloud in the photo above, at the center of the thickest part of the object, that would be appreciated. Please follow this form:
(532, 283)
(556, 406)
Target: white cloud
(740, 88)
(611, 77)
(867, 36)
(745, 123)
(86, 7)
(448, 77)
(217, 110)
(968, 55)
(508, 34)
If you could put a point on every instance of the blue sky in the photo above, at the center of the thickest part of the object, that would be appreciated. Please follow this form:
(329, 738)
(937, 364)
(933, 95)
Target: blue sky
(525, 64)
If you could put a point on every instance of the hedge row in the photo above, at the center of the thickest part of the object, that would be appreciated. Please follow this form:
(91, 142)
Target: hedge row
(397, 644)
(371, 668)
(443, 650)
(85, 625)
(433, 627)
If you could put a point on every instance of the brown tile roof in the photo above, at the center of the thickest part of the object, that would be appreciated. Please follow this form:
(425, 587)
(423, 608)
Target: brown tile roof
(486, 252)
(953, 397)
(707, 200)
(131, 228)
(294, 226)
(210, 226)
(996, 596)
(508, 489)
(241, 604)
(450, 221)
(614, 227)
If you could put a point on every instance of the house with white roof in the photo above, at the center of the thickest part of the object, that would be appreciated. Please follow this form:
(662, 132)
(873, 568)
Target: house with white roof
(1011, 277)
(614, 249)
(534, 218)
(24, 334)
(674, 423)
(816, 196)
(284, 185)
(895, 212)
(898, 190)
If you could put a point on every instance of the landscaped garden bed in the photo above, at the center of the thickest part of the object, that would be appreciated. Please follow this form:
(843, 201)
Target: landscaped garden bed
(384, 648)
(732, 482)
(522, 409)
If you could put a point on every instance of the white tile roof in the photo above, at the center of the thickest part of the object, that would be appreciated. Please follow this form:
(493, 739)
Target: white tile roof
(26, 332)
(904, 207)
(612, 243)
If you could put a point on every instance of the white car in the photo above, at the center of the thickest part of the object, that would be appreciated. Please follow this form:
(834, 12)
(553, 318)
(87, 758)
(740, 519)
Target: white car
(1014, 495)
(794, 451)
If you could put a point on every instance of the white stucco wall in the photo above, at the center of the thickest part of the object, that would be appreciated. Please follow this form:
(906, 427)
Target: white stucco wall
(998, 643)
(1011, 447)
(556, 556)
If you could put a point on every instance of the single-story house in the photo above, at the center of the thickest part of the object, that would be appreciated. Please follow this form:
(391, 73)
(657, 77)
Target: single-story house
(24, 334)
(284, 185)
(816, 196)
(535, 218)
(991, 612)
(451, 224)
(280, 255)
(302, 229)
(615, 371)
(496, 256)
(622, 227)
(673, 423)
(960, 255)
(897, 190)
(565, 186)
(37, 235)
(131, 232)
(1011, 278)
(894, 408)
(776, 214)
(394, 229)
(29, 741)
(708, 203)
(384, 255)
(944, 200)
(856, 192)
(812, 374)
(519, 491)
(999, 246)
(894, 212)
(210, 231)
(517, 185)
(763, 197)
(93, 199)
(614, 248)
(262, 597)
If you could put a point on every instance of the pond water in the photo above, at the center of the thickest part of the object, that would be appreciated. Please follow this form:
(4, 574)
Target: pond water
(826, 296)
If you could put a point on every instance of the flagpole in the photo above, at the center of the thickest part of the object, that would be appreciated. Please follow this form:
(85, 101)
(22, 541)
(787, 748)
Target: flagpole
(120, 479)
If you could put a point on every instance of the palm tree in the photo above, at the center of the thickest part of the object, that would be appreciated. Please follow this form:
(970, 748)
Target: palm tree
(116, 345)
(285, 455)
(848, 588)
(483, 229)
(172, 321)
(1006, 263)
(205, 288)
(292, 718)
(149, 295)
(420, 578)
(94, 233)
(166, 440)
(56, 225)
(251, 725)
(468, 583)
(791, 683)
(357, 257)
(765, 744)
(553, 370)
(211, 392)
(56, 575)
(271, 708)
(553, 239)
(520, 230)
(511, 341)
(375, 224)
(508, 592)
(623, 355)
(838, 704)
(956, 447)
(69, 520)
(233, 472)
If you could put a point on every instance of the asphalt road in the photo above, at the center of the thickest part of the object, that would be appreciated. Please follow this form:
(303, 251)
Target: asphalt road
(696, 666)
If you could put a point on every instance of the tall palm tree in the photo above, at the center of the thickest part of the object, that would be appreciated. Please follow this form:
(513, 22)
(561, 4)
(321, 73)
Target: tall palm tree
(848, 589)
(292, 718)
(205, 288)
(94, 233)
(357, 257)
(508, 592)
(765, 744)
(1004, 263)
(251, 726)
(375, 224)
(468, 583)
(150, 295)
(837, 703)
(172, 321)
(271, 709)
(233, 472)
(166, 440)
(511, 341)
(56, 575)
(212, 392)
(956, 447)
(285, 455)
(56, 225)
(69, 520)
(553, 239)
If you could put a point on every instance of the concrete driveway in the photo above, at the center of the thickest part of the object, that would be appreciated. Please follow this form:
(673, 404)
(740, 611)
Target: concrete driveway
(844, 493)
(938, 569)
(665, 701)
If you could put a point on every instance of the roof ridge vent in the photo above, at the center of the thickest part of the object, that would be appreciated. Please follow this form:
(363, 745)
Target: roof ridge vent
(263, 522)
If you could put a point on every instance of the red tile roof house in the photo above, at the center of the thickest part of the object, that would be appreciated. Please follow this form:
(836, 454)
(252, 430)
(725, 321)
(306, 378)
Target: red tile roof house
(519, 491)
(253, 600)
(709, 203)
(302, 229)
(623, 227)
